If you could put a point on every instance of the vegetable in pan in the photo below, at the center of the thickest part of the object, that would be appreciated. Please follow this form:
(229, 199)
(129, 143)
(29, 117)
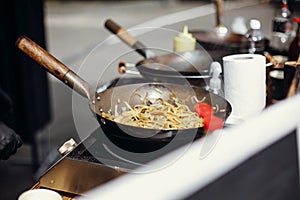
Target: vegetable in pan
(211, 122)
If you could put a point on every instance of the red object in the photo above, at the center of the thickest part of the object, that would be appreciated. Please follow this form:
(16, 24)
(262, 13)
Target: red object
(215, 123)
(204, 110)
(210, 121)
(297, 20)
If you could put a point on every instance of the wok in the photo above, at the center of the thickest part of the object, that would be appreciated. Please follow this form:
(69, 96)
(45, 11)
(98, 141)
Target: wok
(121, 134)
(192, 65)
(220, 41)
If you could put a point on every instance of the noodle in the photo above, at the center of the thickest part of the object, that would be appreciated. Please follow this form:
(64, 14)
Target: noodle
(159, 115)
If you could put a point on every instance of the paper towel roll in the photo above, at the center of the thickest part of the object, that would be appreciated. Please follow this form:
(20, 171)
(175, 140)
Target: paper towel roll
(244, 85)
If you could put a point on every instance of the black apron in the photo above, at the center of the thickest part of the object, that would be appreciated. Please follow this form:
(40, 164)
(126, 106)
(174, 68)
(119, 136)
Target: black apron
(20, 77)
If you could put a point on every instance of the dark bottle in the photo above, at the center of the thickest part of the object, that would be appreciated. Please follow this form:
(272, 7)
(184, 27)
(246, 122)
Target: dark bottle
(282, 27)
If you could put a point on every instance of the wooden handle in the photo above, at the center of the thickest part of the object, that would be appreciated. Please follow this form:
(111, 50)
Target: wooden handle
(120, 32)
(219, 12)
(127, 38)
(292, 63)
(42, 57)
(54, 66)
(294, 84)
(271, 59)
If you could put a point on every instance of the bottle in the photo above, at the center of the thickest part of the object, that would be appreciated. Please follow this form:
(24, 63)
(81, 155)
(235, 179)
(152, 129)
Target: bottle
(215, 83)
(294, 48)
(184, 41)
(255, 39)
(282, 28)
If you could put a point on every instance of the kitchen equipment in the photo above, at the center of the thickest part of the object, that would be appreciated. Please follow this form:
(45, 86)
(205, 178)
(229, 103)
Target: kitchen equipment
(85, 167)
(219, 43)
(104, 102)
(283, 76)
(190, 65)
(93, 162)
(219, 36)
(275, 77)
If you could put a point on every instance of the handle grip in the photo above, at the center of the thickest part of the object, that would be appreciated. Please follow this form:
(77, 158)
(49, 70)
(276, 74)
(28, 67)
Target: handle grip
(54, 66)
(127, 38)
(219, 12)
(120, 32)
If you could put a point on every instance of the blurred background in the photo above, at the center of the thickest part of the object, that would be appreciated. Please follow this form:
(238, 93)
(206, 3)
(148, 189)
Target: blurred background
(74, 33)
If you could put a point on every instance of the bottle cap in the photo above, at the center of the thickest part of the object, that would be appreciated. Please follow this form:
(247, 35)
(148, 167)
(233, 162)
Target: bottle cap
(184, 41)
(284, 4)
(255, 24)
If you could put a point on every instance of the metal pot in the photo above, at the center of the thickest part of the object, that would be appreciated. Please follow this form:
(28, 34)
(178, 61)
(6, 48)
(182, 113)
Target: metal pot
(107, 99)
(220, 41)
(193, 66)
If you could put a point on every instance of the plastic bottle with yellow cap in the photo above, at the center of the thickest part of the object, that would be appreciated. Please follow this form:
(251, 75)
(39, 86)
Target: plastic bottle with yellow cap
(184, 41)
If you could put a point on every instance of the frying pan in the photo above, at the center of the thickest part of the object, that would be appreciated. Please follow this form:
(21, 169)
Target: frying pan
(124, 135)
(220, 41)
(192, 65)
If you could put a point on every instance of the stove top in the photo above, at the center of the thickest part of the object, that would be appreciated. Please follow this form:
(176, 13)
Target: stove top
(94, 161)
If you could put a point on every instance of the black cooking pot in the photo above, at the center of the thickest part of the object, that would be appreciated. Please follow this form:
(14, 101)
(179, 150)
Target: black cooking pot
(138, 139)
(193, 66)
(106, 100)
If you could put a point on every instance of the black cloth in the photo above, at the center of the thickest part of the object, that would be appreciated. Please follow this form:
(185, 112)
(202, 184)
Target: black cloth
(10, 141)
(5, 105)
(20, 77)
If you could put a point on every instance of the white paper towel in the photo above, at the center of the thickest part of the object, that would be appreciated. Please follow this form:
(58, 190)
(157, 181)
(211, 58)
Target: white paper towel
(244, 85)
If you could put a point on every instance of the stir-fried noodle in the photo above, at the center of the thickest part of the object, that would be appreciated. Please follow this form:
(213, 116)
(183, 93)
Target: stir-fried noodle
(158, 115)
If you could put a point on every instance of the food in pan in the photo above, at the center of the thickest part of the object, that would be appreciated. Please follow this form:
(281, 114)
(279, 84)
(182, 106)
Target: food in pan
(172, 115)
(157, 115)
